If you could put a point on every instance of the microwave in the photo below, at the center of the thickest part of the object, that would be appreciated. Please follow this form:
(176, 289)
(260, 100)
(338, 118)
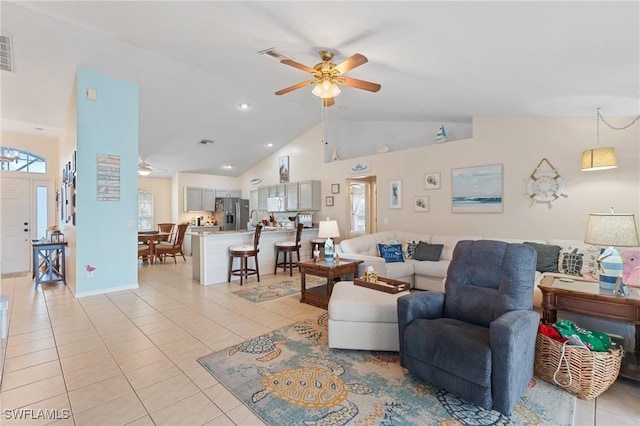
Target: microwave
(277, 204)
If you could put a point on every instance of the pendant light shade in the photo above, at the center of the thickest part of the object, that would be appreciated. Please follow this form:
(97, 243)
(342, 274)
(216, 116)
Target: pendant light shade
(599, 159)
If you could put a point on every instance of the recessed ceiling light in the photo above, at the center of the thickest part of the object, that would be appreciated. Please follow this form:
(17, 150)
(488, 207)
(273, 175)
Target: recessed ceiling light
(227, 166)
(244, 105)
(268, 145)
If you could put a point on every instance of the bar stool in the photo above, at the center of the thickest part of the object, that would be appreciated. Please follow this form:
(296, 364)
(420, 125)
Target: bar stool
(288, 247)
(244, 252)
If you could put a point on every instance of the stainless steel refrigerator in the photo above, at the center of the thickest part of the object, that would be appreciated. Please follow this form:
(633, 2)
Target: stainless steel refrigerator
(236, 213)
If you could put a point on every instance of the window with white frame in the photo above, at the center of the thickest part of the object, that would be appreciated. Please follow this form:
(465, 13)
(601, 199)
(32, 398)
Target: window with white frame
(145, 211)
(17, 160)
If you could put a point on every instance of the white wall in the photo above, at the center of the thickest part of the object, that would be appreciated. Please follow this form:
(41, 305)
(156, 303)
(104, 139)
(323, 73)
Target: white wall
(519, 143)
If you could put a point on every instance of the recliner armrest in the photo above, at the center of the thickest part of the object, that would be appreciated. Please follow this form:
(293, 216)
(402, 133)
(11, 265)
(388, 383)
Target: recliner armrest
(513, 343)
(428, 305)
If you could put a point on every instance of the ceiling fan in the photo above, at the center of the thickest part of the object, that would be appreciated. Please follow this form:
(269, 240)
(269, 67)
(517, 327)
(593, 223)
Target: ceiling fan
(144, 168)
(327, 76)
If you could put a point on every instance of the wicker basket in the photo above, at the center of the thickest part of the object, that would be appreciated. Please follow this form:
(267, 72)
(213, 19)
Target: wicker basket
(591, 373)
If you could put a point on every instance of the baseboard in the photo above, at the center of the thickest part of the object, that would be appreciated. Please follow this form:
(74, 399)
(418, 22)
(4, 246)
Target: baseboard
(105, 290)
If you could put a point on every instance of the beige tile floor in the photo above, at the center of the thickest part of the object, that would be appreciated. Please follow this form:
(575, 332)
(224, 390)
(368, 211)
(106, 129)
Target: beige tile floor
(129, 358)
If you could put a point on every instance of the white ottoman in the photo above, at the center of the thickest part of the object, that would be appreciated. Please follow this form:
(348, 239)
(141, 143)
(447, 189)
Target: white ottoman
(362, 318)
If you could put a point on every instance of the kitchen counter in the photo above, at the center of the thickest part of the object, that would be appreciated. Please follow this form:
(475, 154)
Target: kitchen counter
(211, 250)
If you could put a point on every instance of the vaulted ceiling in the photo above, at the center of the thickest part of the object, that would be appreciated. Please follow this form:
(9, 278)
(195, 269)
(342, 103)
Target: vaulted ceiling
(196, 62)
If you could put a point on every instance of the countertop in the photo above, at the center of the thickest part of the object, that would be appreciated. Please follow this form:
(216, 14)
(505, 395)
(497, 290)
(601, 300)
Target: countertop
(245, 231)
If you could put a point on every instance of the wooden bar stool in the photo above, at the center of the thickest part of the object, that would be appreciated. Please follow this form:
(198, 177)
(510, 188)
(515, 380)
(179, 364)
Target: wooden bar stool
(288, 248)
(244, 253)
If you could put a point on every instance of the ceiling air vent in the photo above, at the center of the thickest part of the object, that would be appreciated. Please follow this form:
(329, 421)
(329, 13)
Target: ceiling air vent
(273, 53)
(206, 142)
(6, 54)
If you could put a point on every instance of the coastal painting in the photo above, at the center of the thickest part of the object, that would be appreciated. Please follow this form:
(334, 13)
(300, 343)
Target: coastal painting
(477, 189)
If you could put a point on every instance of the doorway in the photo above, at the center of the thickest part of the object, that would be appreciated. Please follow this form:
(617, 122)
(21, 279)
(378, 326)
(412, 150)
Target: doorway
(16, 225)
(362, 205)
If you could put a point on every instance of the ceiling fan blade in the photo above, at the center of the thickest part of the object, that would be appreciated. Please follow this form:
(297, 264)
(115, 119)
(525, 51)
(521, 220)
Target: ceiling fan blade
(327, 102)
(350, 63)
(295, 86)
(298, 65)
(359, 84)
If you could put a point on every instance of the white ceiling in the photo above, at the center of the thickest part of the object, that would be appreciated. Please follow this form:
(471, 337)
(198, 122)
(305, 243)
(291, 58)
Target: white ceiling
(195, 62)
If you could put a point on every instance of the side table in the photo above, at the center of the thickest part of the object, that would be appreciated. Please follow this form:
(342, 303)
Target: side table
(597, 303)
(319, 296)
(49, 262)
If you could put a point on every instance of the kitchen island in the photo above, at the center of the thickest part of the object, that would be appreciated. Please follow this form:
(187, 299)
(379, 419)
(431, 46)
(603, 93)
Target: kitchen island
(211, 251)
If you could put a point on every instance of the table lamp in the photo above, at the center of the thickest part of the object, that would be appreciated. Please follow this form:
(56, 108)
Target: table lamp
(611, 229)
(328, 229)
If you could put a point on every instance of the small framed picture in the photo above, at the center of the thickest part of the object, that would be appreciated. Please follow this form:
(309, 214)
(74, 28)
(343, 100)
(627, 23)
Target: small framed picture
(421, 203)
(395, 194)
(283, 168)
(335, 188)
(329, 200)
(432, 180)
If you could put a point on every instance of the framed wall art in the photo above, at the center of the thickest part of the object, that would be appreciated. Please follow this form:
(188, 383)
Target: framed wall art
(421, 203)
(329, 200)
(395, 194)
(283, 168)
(432, 180)
(335, 188)
(477, 189)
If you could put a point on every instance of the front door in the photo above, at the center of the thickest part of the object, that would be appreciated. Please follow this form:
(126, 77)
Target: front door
(16, 227)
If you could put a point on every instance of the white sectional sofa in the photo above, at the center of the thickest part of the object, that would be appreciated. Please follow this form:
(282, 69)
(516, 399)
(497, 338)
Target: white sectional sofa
(430, 275)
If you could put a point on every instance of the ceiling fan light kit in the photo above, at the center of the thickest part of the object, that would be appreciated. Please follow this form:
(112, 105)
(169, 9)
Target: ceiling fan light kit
(327, 77)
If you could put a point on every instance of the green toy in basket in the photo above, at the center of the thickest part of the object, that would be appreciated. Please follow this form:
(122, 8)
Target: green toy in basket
(596, 341)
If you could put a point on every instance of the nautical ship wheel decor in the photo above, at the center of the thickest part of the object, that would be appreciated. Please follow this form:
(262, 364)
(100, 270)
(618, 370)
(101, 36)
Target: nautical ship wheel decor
(545, 185)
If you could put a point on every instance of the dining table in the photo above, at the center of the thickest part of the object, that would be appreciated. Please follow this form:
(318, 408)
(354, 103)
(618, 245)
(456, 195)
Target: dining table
(151, 238)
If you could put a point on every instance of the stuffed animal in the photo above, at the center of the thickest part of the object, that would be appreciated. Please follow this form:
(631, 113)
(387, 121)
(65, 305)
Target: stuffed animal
(631, 267)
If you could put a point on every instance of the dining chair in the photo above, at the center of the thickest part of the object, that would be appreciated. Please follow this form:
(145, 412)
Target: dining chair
(288, 248)
(144, 252)
(173, 247)
(165, 228)
(244, 252)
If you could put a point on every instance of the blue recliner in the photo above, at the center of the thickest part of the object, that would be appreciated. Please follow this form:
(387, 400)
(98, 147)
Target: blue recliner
(478, 338)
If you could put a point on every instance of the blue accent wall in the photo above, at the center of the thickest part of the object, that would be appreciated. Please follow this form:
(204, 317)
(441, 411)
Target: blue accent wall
(106, 231)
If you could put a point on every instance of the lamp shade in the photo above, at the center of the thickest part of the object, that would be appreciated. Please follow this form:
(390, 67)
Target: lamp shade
(328, 229)
(599, 159)
(612, 229)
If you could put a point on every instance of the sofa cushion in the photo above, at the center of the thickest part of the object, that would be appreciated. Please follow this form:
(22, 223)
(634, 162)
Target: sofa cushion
(391, 252)
(432, 269)
(426, 251)
(449, 242)
(547, 260)
(397, 270)
(366, 244)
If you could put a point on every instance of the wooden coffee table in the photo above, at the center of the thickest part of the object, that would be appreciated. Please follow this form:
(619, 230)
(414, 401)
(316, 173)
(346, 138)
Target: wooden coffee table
(586, 298)
(319, 296)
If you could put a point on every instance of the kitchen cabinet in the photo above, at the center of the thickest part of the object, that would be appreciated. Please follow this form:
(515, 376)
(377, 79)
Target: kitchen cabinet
(309, 195)
(199, 199)
(263, 194)
(192, 199)
(208, 199)
(292, 196)
(228, 193)
(279, 190)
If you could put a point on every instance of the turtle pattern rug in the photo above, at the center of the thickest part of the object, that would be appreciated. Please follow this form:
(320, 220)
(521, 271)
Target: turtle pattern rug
(291, 377)
(264, 293)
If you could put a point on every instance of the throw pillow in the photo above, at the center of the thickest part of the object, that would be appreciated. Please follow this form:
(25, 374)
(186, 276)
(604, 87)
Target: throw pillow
(426, 251)
(409, 249)
(589, 255)
(547, 257)
(391, 252)
(387, 243)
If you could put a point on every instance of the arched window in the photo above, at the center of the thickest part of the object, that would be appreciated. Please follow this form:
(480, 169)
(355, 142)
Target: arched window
(17, 160)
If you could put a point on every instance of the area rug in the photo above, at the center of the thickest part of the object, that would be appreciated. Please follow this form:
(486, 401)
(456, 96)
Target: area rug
(264, 293)
(291, 377)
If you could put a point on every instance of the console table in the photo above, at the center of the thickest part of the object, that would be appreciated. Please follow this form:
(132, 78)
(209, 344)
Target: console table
(591, 300)
(319, 296)
(49, 262)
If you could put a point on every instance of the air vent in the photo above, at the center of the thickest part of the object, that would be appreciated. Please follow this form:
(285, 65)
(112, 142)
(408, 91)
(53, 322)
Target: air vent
(273, 53)
(206, 142)
(6, 54)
